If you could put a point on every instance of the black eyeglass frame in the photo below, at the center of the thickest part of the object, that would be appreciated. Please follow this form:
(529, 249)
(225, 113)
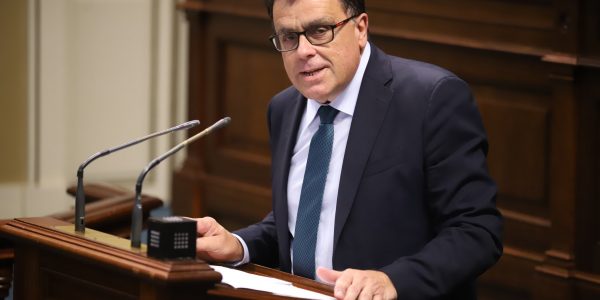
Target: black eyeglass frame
(299, 33)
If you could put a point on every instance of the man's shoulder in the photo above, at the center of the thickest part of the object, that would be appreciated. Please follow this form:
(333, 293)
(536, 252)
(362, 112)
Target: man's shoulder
(289, 92)
(419, 70)
(407, 71)
(285, 98)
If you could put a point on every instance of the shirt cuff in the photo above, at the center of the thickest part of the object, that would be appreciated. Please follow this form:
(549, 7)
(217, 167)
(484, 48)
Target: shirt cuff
(246, 258)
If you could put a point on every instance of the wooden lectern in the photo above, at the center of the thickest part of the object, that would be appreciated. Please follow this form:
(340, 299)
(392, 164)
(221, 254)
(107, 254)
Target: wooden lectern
(54, 262)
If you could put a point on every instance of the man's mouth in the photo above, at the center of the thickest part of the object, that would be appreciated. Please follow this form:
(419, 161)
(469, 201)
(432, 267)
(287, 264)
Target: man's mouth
(311, 72)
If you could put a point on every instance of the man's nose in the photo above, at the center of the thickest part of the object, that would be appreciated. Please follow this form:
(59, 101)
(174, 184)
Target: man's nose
(305, 48)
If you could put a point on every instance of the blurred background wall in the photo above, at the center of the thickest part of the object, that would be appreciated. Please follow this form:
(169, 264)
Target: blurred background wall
(534, 69)
(13, 94)
(80, 76)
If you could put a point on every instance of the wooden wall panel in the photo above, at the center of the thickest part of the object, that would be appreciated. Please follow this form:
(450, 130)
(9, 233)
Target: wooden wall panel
(519, 130)
(472, 23)
(588, 211)
(591, 32)
(242, 73)
(511, 278)
(534, 68)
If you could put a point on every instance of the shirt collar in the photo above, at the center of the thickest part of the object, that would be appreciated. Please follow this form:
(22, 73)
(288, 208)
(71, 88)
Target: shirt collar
(346, 101)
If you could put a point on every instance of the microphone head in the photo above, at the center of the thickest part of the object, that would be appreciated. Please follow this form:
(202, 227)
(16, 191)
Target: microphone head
(222, 122)
(218, 125)
(189, 124)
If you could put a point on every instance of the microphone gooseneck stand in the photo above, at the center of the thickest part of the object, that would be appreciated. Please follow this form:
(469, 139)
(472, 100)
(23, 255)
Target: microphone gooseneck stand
(80, 193)
(136, 215)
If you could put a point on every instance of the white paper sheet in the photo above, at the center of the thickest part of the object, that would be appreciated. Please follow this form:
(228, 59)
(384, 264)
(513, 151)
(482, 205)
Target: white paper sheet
(245, 280)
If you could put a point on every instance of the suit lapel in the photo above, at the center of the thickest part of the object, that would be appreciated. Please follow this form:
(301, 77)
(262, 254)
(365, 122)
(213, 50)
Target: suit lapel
(371, 107)
(282, 159)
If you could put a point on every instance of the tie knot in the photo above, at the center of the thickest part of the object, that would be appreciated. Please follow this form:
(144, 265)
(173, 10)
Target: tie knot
(327, 114)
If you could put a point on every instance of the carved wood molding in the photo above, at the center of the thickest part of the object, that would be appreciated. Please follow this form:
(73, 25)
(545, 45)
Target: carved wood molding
(541, 23)
(41, 230)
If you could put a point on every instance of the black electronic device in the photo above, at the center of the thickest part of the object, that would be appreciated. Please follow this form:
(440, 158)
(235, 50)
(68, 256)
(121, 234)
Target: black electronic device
(171, 237)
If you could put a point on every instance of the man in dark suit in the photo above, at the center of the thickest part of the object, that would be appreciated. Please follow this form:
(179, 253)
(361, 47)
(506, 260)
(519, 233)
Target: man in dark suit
(391, 153)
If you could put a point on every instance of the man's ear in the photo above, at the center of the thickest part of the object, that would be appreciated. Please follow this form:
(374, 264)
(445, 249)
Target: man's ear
(362, 29)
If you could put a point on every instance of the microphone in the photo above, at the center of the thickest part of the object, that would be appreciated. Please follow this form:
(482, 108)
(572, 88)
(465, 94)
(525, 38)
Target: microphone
(80, 195)
(136, 216)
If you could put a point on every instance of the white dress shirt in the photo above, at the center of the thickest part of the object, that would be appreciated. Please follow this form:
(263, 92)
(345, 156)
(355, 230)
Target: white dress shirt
(345, 102)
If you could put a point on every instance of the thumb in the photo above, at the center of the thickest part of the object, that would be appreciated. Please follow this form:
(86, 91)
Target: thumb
(328, 275)
(205, 226)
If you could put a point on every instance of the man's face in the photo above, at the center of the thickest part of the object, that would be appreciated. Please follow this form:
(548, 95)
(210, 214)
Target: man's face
(320, 72)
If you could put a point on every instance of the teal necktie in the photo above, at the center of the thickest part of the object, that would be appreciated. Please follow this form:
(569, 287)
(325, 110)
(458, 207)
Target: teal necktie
(311, 196)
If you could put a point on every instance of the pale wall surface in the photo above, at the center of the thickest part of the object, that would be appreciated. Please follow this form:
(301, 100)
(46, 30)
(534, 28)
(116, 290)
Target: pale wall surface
(89, 75)
(13, 90)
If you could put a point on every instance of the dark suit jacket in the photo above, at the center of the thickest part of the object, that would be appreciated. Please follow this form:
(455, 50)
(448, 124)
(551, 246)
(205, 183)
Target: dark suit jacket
(415, 198)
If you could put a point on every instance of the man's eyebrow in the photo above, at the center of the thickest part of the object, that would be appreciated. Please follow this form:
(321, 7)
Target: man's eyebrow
(319, 21)
(311, 23)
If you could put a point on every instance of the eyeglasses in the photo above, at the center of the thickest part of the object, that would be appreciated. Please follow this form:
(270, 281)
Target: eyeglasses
(316, 35)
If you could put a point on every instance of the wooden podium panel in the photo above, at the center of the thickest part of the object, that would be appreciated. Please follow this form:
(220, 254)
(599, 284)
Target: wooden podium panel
(53, 263)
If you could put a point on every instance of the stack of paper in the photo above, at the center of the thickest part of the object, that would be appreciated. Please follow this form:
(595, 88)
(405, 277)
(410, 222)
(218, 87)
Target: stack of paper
(240, 279)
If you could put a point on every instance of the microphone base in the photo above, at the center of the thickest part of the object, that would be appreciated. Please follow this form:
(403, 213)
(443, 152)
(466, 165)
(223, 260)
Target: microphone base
(101, 237)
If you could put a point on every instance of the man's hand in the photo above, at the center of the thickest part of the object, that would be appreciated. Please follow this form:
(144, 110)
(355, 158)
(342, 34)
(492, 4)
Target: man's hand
(359, 284)
(215, 243)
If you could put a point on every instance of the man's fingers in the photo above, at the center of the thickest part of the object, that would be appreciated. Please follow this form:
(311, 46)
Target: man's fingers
(368, 291)
(359, 284)
(354, 290)
(355, 280)
(342, 284)
(215, 243)
(209, 243)
(328, 275)
(206, 226)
